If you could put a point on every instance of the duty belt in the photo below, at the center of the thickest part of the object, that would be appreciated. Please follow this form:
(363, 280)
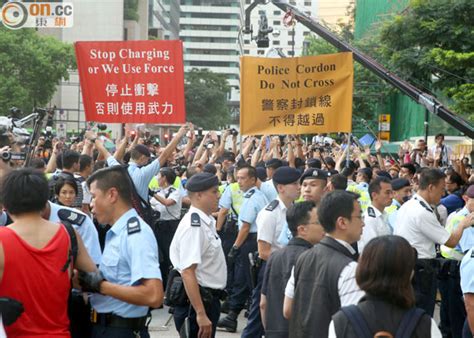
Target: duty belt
(112, 320)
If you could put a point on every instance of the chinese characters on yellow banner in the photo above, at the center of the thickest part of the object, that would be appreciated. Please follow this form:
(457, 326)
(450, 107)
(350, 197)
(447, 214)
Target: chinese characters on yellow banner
(304, 95)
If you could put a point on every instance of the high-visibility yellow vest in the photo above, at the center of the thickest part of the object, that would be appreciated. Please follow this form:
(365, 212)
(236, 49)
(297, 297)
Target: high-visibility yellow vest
(452, 253)
(154, 185)
(237, 197)
(364, 199)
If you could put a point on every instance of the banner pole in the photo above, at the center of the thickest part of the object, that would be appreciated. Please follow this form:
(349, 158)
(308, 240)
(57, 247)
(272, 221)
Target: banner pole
(348, 156)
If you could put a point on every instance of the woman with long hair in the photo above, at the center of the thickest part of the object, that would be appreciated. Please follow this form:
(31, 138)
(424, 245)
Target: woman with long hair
(384, 272)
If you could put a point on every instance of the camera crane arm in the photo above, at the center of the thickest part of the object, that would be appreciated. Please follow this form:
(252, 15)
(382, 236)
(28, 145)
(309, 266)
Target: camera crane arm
(428, 101)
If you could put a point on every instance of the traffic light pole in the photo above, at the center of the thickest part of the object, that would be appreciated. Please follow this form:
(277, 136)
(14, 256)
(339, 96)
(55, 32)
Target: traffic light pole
(422, 98)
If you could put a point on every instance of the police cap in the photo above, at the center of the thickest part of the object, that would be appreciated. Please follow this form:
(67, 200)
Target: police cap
(274, 163)
(286, 175)
(261, 174)
(316, 174)
(202, 182)
(400, 183)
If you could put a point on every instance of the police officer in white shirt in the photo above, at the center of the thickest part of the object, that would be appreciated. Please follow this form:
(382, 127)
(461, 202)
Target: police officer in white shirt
(197, 254)
(375, 217)
(418, 224)
(167, 201)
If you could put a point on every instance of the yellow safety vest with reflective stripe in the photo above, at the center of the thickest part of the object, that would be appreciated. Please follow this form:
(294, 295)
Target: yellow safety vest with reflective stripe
(364, 199)
(237, 197)
(452, 253)
(154, 185)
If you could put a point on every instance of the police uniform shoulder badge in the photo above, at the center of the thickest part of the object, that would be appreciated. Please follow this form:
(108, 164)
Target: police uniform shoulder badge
(250, 193)
(371, 212)
(133, 225)
(195, 220)
(423, 204)
(72, 217)
(272, 205)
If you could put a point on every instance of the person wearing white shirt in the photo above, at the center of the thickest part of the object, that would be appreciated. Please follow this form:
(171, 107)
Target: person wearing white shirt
(324, 276)
(418, 224)
(375, 217)
(440, 152)
(167, 201)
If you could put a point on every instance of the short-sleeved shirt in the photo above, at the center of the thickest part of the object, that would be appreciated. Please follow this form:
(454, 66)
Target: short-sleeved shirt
(141, 176)
(130, 255)
(270, 222)
(172, 212)
(417, 223)
(467, 239)
(392, 212)
(197, 242)
(254, 201)
(85, 229)
(375, 225)
(467, 272)
(269, 190)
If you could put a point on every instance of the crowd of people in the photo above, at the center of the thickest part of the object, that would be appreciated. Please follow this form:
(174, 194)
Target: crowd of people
(309, 237)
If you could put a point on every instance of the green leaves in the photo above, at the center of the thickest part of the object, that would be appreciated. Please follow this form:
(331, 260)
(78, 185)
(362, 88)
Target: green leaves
(31, 67)
(431, 45)
(206, 99)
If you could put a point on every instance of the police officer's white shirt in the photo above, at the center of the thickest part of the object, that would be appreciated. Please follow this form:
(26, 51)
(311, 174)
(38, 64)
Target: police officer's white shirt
(200, 245)
(86, 230)
(172, 212)
(417, 223)
(348, 290)
(270, 224)
(375, 225)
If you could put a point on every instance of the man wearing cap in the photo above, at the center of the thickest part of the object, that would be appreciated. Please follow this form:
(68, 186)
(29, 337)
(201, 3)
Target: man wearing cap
(375, 218)
(452, 302)
(267, 187)
(313, 186)
(270, 222)
(245, 243)
(402, 192)
(196, 253)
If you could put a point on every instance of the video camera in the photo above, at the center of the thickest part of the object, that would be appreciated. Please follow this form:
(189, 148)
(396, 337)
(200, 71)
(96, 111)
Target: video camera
(10, 155)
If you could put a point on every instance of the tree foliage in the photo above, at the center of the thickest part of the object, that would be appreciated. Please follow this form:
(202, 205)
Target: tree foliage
(431, 44)
(31, 67)
(206, 99)
(130, 10)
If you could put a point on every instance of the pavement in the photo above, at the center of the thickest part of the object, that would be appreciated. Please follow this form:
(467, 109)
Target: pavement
(162, 325)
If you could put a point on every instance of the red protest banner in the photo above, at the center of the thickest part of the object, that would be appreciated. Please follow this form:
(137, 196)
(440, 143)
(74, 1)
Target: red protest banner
(132, 81)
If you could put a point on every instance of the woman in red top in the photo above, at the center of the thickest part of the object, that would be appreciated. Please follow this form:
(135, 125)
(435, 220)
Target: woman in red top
(35, 265)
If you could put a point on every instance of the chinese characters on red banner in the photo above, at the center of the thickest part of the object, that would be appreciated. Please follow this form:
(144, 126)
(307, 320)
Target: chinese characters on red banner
(132, 81)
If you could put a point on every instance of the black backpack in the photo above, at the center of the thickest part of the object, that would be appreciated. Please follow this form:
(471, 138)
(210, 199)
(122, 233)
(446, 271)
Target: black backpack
(361, 328)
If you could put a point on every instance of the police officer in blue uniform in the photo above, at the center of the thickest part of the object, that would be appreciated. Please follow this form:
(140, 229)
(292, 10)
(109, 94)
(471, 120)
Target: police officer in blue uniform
(270, 221)
(79, 307)
(246, 242)
(196, 253)
(128, 282)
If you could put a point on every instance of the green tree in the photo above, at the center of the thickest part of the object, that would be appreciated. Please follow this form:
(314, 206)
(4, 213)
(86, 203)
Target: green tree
(369, 90)
(31, 67)
(130, 10)
(431, 45)
(206, 99)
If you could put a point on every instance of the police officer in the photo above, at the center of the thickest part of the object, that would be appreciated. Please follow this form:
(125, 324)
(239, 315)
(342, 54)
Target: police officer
(79, 307)
(402, 192)
(167, 201)
(129, 280)
(452, 304)
(375, 217)
(417, 223)
(313, 187)
(267, 187)
(270, 221)
(196, 253)
(245, 243)
(361, 187)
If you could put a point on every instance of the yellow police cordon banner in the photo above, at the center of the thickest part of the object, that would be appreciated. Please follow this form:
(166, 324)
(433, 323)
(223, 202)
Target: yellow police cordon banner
(305, 95)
